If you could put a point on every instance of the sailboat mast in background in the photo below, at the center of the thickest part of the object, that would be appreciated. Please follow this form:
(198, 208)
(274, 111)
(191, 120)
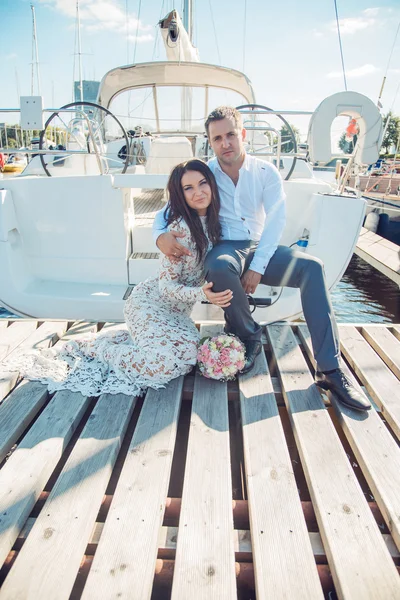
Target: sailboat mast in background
(78, 38)
(188, 18)
(35, 56)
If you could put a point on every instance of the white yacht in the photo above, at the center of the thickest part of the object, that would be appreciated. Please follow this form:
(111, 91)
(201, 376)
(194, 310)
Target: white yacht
(75, 227)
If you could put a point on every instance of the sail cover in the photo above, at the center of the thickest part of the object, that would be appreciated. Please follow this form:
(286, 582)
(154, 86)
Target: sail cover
(176, 40)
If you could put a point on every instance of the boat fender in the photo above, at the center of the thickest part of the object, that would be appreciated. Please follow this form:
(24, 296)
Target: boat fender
(371, 222)
(383, 226)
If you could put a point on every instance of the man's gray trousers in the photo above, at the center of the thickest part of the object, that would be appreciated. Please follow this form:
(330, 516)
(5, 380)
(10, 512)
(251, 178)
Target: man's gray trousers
(228, 260)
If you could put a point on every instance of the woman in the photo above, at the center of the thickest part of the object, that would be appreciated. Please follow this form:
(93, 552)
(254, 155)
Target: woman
(161, 341)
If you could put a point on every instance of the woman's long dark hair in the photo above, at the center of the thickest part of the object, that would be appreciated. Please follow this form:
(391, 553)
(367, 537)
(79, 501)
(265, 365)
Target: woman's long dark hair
(177, 206)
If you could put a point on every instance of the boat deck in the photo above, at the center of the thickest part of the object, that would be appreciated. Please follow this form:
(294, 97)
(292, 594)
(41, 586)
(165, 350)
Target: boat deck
(146, 204)
(259, 488)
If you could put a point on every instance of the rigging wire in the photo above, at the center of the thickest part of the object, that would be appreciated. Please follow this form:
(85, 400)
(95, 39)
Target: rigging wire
(155, 47)
(388, 116)
(244, 34)
(127, 31)
(387, 66)
(340, 45)
(215, 32)
(137, 29)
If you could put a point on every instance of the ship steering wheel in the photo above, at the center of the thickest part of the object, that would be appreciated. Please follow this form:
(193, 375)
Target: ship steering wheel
(84, 127)
(256, 107)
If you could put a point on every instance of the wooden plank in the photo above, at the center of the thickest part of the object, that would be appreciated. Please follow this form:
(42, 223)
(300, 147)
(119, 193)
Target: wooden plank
(126, 557)
(47, 334)
(30, 466)
(384, 258)
(12, 336)
(24, 475)
(381, 383)
(396, 331)
(241, 539)
(244, 546)
(360, 563)
(386, 345)
(49, 561)
(3, 323)
(286, 569)
(374, 447)
(205, 559)
(8, 381)
(18, 411)
(23, 404)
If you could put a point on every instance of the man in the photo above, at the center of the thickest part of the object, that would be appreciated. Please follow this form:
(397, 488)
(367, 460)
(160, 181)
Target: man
(252, 218)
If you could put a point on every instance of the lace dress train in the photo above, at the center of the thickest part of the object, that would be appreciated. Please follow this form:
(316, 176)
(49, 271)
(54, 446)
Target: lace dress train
(157, 343)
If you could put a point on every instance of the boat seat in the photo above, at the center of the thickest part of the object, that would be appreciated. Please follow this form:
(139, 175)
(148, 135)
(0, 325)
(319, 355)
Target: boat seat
(166, 153)
(72, 229)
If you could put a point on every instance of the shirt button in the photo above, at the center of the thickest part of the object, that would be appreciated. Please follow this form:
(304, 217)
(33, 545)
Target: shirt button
(243, 219)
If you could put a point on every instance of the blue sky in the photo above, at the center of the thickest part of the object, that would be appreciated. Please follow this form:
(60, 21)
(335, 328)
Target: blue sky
(291, 47)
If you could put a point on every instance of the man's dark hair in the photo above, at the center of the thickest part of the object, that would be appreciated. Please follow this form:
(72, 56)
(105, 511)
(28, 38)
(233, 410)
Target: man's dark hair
(224, 112)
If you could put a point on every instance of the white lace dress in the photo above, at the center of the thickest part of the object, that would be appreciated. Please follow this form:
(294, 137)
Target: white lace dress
(158, 343)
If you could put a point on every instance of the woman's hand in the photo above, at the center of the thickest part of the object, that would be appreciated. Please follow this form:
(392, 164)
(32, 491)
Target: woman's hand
(221, 299)
(170, 246)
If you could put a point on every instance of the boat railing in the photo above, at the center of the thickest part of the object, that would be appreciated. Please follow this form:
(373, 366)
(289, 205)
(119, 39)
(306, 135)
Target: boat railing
(9, 150)
(276, 154)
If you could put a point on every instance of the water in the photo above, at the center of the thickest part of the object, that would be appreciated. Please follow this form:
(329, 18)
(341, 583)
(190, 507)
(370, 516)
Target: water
(363, 295)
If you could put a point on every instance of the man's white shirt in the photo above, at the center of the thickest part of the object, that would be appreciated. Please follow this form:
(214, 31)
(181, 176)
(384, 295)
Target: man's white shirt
(254, 209)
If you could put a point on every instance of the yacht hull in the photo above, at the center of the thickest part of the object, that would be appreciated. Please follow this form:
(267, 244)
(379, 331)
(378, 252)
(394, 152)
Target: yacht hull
(70, 248)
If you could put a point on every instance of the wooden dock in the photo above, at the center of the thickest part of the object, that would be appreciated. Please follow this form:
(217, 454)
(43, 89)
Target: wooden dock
(260, 488)
(380, 253)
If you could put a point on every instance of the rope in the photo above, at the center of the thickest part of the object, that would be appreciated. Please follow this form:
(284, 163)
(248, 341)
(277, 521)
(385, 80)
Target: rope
(340, 46)
(215, 32)
(391, 52)
(387, 67)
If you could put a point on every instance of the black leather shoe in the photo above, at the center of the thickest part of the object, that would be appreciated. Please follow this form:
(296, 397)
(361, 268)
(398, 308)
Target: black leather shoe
(341, 386)
(253, 349)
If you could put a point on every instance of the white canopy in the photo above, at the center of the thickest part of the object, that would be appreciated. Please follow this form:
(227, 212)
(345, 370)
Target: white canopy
(170, 73)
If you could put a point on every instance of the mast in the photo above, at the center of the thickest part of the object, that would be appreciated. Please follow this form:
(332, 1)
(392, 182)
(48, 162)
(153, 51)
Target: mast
(188, 18)
(35, 55)
(78, 23)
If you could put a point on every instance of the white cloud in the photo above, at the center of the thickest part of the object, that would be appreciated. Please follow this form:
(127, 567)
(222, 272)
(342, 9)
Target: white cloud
(358, 72)
(371, 12)
(351, 25)
(102, 15)
(317, 33)
(10, 56)
(140, 39)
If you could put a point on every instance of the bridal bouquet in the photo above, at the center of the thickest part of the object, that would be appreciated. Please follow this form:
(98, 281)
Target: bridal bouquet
(221, 357)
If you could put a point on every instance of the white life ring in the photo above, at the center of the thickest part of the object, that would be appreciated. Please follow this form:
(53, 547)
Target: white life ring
(357, 107)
